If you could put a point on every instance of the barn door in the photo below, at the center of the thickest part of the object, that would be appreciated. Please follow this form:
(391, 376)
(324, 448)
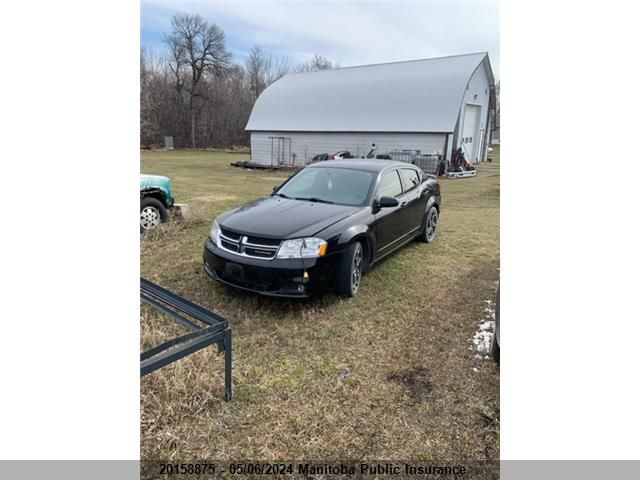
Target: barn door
(470, 135)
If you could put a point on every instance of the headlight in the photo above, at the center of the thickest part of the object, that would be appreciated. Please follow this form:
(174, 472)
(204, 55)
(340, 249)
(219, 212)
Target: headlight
(302, 248)
(215, 233)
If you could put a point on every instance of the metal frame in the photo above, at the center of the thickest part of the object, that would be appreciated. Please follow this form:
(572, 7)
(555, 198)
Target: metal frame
(281, 144)
(215, 330)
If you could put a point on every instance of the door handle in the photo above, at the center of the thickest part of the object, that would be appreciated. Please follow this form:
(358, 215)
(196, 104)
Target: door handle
(403, 204)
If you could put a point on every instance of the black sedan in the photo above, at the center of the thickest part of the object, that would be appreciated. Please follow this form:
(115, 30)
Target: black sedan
(323, 227)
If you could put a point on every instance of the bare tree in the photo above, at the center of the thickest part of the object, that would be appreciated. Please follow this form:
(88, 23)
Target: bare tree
(318, 62)
(222, 111)
(255, 66)
(152, 83)
(147, 127)
(263, 69)
(277, 67)
(197, 49)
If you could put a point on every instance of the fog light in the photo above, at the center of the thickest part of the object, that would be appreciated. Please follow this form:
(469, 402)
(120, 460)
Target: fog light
(300, 288)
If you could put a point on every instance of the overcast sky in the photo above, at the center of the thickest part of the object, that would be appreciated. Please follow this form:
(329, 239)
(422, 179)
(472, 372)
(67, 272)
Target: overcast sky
(350, 33)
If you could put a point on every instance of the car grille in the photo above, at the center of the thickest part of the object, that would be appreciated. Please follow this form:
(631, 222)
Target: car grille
(248, 246)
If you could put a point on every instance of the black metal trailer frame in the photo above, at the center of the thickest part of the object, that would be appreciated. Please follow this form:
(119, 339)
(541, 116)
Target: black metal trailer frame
(215, 330)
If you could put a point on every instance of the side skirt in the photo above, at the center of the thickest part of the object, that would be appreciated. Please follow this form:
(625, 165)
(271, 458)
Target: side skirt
(411, 236)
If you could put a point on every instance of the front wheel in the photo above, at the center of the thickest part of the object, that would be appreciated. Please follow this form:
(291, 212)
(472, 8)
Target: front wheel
(430, 229)
(351, 268)
(152, 213)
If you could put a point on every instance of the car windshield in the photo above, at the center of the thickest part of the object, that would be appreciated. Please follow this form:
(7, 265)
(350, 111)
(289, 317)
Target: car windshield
(330, 185)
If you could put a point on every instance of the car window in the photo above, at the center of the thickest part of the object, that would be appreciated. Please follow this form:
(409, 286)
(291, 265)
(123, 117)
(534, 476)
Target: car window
(410, 179)
(334, 185)
(390, 185)
(302, 184)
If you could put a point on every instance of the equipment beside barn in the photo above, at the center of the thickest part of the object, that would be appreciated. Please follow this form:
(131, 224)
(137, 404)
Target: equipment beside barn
(471, 173)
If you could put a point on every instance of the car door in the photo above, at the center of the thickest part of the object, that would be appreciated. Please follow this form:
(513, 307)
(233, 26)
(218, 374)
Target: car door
(412, 200)
(389, 222)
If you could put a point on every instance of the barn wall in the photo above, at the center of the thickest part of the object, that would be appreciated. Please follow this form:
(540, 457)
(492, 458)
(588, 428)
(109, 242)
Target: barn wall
(305, 145)
(478, 92)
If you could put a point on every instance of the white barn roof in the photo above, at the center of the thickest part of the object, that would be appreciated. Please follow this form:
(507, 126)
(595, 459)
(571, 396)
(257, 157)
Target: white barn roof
(413, 96)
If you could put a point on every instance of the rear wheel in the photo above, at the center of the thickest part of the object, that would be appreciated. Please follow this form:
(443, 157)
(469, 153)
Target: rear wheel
(152, 213)
(430, 229)
(351, 268)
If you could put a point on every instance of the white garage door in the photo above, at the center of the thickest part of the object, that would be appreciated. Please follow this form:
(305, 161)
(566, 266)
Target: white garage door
(470, 135)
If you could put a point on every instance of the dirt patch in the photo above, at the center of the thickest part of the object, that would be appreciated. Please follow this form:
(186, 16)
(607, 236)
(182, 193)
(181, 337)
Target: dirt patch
(416, 381)
(477, 285)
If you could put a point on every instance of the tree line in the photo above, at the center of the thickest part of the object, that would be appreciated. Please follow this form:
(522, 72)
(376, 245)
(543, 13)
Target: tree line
(195, 92)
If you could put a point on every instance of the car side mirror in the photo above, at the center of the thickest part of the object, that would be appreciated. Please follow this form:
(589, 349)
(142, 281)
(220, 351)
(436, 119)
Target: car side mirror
(386, 202)
(275, 187)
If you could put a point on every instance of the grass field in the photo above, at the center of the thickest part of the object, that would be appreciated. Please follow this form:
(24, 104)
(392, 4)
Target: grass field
(389, 374)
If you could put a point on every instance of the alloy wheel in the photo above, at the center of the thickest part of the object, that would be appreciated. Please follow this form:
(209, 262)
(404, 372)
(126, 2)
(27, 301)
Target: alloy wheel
(432, 224)
(356, 269)
(149, 217)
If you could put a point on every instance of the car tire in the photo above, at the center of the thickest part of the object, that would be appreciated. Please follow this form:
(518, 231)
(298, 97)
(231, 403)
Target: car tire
(152, 213)
(430, 228)
(351, 270)
(495, 349)
(495, 343)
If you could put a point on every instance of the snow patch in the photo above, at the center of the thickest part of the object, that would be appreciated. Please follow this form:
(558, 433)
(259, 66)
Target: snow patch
(484, 335)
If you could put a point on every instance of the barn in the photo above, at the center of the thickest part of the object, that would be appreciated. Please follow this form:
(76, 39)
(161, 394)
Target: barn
(427, 106)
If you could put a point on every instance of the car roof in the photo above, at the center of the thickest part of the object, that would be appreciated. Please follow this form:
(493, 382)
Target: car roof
(370, 164)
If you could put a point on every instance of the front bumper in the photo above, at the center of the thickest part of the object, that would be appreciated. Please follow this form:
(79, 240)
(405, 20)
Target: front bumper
(276, 277)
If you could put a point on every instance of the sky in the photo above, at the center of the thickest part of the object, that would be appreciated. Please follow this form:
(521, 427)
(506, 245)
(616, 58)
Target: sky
(349, 33)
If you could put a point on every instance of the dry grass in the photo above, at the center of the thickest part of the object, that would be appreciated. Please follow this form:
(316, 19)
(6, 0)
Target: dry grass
(194, 216)
(388, 374)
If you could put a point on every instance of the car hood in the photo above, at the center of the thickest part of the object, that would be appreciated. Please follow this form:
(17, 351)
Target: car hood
(282, 218)
(147, 180)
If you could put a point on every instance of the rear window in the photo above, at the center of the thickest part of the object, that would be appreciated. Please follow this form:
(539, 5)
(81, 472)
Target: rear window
(410, 179)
